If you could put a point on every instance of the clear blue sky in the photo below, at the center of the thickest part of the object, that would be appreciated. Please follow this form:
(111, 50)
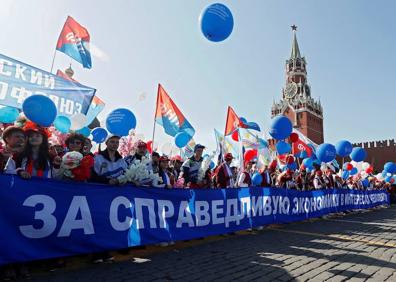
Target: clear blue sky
(350, 47)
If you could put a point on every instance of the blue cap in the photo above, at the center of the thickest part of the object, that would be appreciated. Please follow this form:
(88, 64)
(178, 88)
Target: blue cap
(198, 146)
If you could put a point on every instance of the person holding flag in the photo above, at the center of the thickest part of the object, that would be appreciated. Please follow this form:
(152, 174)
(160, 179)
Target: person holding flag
(191, 168)
(224, 174)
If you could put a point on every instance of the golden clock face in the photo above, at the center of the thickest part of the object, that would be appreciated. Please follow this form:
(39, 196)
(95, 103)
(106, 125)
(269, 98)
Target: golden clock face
(290, 90)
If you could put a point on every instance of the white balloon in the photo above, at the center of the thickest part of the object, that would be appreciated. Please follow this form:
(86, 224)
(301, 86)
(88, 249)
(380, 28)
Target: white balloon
(365, 165)
(78, 121)
(358, 165)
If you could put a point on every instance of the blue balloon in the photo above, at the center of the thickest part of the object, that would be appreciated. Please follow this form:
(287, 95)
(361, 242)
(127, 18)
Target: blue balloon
(388, 178)
(282, 147)
(353, 171)
(343, 148)
(62, 124)
(326, 152)
(345, 174)
(85, 131)
(99, 135)
(316, 161)
(365, 182)
(181, 139)
(212, 165)
(390, 167)
(257, 179)
(120, 121)
(40, 109)
(8, 114)
(384, 173)
(308, 163)
(358, 154)
(253, 125)
(281, 128)
(216, 22)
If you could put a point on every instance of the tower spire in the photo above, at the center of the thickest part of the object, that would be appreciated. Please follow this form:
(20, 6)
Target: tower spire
(295, 52)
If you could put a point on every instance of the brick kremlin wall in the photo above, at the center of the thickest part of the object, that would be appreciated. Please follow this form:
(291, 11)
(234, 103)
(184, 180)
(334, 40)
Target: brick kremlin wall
(379, 152)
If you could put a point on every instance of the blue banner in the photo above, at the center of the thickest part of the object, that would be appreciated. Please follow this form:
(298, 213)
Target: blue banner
(19, 81)
(42, 219)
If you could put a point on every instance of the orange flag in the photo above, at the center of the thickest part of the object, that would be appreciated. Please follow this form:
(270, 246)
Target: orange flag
(232, 122)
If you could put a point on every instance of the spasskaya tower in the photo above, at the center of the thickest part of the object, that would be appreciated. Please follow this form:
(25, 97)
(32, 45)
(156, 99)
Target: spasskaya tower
(297, 104)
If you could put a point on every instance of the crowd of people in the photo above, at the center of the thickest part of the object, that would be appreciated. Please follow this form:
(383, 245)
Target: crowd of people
(27, 152)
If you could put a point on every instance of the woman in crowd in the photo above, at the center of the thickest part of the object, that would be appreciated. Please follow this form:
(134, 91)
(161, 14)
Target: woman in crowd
(35, 159)
(77, 163)
(75, 142)
(244, 179)
(163, 171)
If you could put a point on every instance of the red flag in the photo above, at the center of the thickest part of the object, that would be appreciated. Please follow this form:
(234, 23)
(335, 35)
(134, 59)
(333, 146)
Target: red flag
(169, 116)
(232, 123)
(74, 42)
(301, 145)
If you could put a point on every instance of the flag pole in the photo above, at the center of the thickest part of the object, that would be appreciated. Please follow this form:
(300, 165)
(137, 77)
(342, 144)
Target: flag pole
(53, 60)
(224, 136)
(241, 157)
(155, 115)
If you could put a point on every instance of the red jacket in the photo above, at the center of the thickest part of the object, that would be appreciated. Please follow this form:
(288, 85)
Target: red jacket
(223, 179)
(266, 182)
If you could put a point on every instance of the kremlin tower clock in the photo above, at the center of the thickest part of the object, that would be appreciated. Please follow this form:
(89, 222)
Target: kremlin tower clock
(297, 104)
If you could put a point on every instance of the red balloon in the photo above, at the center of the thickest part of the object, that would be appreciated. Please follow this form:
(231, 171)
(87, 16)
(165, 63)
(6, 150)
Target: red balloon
(369, 170)
(250, 155)
(149, 146)
(392, 181)
(349, 167)
(294, 137)
(235, 136)
(290, 159)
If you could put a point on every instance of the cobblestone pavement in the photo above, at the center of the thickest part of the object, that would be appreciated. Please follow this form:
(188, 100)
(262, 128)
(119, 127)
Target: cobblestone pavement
(357, 247)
